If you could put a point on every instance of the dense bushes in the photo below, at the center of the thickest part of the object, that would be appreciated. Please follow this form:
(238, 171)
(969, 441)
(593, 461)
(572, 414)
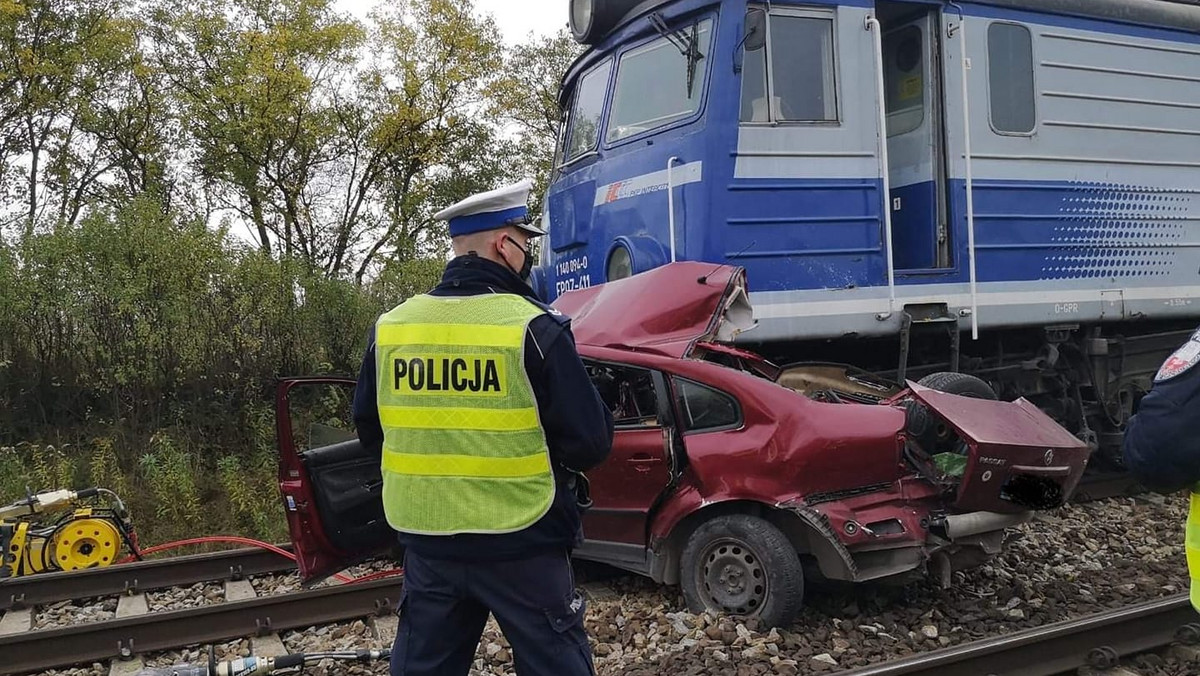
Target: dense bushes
(145, 350)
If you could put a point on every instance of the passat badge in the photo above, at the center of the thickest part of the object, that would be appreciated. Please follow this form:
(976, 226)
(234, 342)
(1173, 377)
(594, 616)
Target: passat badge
(1183, 359)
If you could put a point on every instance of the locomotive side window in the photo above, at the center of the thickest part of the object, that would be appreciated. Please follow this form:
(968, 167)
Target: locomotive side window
(794, 71)
(586, 113)
(754, 80)
(1010, 78)
(655, 84)
(904, 59)
(560, 146)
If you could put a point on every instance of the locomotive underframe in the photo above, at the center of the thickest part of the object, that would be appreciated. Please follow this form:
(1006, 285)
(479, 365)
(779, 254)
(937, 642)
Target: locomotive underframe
(1088, 377)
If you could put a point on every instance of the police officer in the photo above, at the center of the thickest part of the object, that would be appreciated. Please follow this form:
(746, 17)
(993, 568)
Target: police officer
(486, 416)
(1162, 446)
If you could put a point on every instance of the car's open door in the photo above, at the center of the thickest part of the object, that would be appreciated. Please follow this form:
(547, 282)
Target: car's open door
(331, 486)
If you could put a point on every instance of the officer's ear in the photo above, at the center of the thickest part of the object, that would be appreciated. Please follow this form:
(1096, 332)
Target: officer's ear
(501, 238)
(496, 243)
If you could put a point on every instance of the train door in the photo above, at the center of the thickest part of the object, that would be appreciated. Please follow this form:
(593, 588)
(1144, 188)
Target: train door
(915, 135)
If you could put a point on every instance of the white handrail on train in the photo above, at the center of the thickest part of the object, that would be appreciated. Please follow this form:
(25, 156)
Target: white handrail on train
(671, 204)
(886, 201)
(964, 60)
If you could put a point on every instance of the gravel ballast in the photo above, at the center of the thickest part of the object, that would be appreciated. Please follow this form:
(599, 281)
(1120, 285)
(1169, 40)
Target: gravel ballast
(1072, 562)
(180, 598)
(67, 613)
(1078, 560)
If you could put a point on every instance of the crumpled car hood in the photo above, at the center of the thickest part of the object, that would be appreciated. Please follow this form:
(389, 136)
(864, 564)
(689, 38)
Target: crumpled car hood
(666, 310)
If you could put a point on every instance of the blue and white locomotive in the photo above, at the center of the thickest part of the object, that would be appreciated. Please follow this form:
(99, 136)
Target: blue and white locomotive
(1024, 172)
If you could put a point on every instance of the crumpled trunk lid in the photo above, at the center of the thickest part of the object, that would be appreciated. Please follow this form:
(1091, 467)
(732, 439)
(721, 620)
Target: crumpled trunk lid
(1018, 458)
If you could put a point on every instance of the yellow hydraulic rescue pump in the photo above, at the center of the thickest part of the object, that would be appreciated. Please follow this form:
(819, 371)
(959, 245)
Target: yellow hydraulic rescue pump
(34, 541)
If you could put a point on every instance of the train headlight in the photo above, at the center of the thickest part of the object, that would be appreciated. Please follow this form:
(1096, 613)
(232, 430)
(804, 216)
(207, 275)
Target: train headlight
(591, 20)
(620, 264)
(583, 13)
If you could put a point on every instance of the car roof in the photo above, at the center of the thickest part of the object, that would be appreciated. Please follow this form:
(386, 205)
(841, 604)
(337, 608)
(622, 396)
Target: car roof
(665, 311)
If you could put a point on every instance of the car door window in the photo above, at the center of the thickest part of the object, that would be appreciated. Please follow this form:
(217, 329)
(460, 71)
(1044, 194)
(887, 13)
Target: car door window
(628, 392)
(704, 408)
(321, 414)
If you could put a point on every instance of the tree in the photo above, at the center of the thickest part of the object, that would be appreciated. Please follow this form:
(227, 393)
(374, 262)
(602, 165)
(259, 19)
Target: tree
(527, 97)
(56, 56)
(136, 131)
(255, 80)
(418, 141)
(330, 157)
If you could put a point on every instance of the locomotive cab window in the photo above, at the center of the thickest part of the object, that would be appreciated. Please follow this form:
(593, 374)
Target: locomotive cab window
(904, 80)
(661, 82)
(793, 70)
(584, 121)
(1010, 79)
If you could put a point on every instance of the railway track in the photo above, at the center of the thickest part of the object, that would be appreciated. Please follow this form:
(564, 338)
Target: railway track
(130, 578)
(124, 638)
(135, 630)
(1103, 485)
(1098, 641)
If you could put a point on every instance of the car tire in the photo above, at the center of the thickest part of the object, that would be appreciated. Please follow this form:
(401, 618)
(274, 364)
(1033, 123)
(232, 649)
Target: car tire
(927, 428)
(960, 384)
(742, 565)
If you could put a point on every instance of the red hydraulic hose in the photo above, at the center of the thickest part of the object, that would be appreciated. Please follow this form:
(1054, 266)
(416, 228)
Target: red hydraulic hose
(208, 539)
(212, 539)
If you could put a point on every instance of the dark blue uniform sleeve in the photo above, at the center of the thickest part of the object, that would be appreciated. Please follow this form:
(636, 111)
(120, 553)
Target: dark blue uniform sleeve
(365, 410)
(1162, 449)
(579, 427)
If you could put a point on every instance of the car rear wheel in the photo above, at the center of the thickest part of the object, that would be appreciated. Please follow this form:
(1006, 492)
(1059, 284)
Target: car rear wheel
(742, 565)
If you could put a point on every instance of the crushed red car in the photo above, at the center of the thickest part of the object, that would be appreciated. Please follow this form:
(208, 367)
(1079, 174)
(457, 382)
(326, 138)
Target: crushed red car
(736, 478)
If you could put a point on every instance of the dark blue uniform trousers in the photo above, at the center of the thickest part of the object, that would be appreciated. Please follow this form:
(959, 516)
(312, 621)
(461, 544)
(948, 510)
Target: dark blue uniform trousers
(444, 607)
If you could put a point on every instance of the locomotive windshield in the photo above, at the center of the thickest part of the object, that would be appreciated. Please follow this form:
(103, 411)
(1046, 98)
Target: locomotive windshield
(652, 85)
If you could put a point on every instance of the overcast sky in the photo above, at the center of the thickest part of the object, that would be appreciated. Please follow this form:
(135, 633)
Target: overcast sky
(516, 18)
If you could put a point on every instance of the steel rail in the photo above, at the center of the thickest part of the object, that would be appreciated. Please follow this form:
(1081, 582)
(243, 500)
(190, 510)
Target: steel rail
(1057, 648)
(1101, 486)
(34, 590)
(85, 643)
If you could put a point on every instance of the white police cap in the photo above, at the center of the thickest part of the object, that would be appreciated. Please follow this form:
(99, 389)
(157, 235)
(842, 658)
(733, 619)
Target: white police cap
(490, 210)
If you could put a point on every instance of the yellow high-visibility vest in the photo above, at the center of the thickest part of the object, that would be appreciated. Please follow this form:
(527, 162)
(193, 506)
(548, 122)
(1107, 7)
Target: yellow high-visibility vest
(464, 450)
(1191, 544)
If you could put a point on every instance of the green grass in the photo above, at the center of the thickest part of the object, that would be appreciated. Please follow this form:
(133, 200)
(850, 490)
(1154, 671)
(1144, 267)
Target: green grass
(172, 491)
